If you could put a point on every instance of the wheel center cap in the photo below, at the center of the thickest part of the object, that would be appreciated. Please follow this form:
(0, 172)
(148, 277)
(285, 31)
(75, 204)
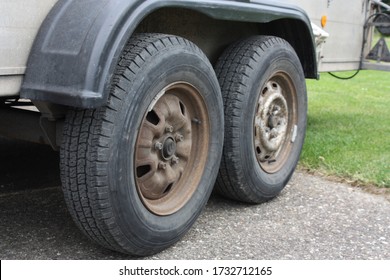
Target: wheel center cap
(169, 148)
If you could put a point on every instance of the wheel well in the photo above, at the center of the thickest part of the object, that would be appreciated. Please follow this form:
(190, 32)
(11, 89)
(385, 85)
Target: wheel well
(214, 35)
(72, 70)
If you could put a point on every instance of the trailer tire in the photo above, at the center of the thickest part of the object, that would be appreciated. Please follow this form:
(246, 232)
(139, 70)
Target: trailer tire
(264, 92)
(137, 172)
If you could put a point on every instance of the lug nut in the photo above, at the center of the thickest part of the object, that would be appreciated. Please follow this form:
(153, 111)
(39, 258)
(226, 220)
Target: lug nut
(179, 137)
(175, 160)
(162, 165)
(158, 146)
(276, 110)
(169, 128)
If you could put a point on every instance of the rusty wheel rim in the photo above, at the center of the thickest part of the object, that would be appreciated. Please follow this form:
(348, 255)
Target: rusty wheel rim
(172, 148)
(275, 122)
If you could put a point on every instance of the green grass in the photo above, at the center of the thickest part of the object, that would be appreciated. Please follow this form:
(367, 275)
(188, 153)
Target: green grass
(348, 132)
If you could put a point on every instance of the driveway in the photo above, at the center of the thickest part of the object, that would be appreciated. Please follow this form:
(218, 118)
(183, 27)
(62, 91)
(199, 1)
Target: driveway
(311, 219)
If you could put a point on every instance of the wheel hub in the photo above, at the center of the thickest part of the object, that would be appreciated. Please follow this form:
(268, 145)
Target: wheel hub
(271, 122)
(169, 148)
(275, 121)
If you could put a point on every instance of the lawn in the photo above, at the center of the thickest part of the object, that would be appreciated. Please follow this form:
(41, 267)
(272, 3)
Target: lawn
(348, 132)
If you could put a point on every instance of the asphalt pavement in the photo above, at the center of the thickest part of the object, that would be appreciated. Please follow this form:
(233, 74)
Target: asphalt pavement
(312, 218)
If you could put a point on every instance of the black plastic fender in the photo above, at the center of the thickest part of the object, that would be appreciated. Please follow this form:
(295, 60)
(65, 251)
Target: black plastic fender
(78, 45)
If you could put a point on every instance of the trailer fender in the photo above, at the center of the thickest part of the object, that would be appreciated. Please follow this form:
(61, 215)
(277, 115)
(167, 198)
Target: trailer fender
(79, 43)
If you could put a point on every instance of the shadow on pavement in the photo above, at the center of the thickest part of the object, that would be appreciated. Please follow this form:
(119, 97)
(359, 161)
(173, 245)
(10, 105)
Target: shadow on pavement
(35, 223)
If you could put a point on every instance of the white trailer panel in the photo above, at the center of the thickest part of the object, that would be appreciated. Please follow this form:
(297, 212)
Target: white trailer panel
(345, 25)
(19, 24)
